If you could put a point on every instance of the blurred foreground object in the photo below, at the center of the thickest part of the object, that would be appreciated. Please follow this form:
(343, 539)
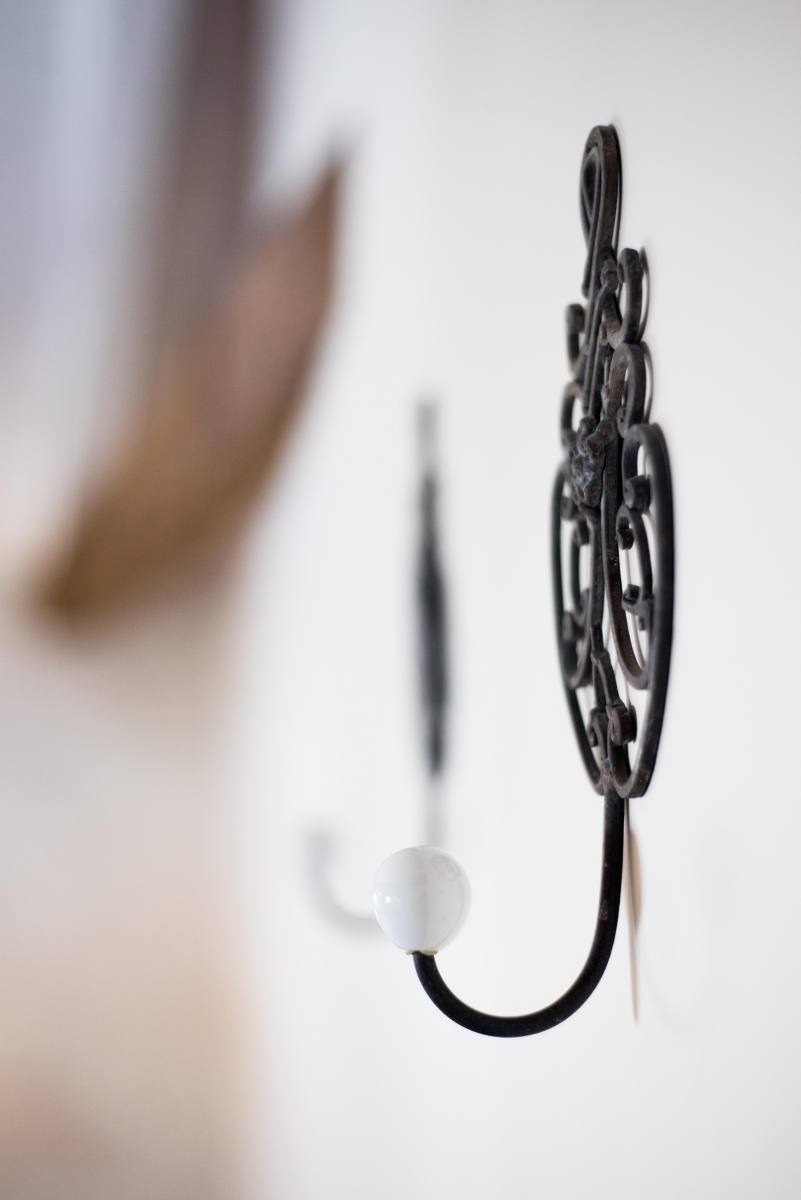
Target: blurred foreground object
(155, 332)
(222, 403)
(156, 345)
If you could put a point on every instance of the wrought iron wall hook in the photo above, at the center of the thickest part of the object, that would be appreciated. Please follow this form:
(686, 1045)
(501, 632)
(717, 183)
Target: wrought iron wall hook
(612, 511)
(432, 655)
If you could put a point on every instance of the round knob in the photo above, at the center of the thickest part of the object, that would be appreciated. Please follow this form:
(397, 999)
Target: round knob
(421, 897)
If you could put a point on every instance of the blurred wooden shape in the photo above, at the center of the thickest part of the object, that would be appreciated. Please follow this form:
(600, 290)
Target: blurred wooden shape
(221, 406)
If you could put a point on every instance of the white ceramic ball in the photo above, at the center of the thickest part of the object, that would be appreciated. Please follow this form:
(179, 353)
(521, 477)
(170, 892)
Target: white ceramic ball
(421, 897)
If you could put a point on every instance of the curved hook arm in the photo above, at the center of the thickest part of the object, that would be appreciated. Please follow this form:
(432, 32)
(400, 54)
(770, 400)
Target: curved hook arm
(593, 969)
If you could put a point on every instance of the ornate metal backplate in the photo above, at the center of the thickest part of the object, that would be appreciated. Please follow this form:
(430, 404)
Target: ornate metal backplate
(612, 518)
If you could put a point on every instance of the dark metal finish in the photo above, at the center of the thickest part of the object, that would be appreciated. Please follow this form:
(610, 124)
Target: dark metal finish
(612, 499)
(612, 509)
(587, 980)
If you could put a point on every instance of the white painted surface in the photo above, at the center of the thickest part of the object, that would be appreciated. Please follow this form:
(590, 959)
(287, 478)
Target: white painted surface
(463, 247)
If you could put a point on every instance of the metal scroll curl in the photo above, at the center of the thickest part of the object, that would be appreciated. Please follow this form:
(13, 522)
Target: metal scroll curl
(612, 512)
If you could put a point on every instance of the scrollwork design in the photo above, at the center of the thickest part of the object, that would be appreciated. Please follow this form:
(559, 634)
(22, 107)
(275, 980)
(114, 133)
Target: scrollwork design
(612, 557)
(612, 505)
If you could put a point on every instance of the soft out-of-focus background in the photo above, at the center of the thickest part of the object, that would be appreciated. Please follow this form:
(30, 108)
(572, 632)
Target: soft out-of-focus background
(212, 340)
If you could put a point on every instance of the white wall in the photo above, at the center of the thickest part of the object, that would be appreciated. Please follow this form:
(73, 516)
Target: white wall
(463, 246)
